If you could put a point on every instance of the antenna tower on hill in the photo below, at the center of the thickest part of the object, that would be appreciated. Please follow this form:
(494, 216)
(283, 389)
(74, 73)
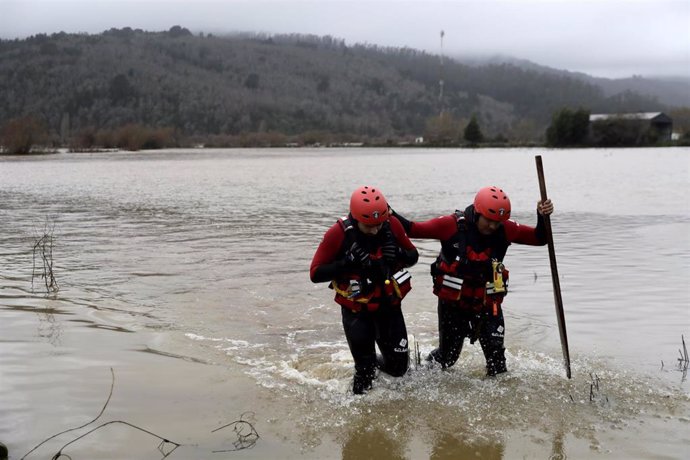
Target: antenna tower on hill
(440, 80)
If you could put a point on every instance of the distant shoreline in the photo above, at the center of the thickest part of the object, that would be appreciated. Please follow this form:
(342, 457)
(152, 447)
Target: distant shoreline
(53, 151)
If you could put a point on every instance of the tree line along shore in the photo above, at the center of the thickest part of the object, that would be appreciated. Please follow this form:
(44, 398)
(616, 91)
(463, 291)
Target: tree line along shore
(130, 89)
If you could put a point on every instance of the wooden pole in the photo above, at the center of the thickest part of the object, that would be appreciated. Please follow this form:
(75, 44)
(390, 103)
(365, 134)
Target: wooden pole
(560, 315)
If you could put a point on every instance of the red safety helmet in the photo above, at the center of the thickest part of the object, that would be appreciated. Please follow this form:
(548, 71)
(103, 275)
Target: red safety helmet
(368, 206)
(492, 203)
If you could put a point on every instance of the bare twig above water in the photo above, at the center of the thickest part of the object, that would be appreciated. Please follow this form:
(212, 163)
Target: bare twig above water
(592, 386)
(166, 447)
(43, 247)
(595, 394)
(684, 359)
(247, 436)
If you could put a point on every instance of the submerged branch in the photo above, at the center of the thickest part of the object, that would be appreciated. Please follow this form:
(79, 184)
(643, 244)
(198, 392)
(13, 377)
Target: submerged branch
(161, 446)
(112, 385)
(247, 436)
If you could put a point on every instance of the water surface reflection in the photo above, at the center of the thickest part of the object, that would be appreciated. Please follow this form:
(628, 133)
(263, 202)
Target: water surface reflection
(202, 258)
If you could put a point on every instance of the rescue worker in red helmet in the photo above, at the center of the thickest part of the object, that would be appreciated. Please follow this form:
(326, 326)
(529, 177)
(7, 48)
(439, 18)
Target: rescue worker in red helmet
(364, 257)
(469, 277)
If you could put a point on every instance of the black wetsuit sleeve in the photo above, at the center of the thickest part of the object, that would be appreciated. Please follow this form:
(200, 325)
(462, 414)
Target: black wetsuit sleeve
(328, 262)
(328, 272)
(407, 225)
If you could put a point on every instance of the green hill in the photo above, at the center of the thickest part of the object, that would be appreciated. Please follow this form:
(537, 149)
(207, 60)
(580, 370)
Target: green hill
(205, 86)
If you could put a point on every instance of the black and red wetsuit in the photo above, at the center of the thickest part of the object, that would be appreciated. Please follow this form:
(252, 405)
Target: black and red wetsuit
(463, 281)
(370, 308)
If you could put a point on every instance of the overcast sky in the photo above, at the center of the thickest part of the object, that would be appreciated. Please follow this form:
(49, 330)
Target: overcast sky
(609, 38)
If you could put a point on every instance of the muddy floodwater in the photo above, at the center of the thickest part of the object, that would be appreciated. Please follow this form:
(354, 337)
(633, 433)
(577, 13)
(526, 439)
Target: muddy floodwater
(184, 289)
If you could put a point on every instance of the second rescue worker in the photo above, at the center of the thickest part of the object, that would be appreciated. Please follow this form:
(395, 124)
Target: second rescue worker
(469, 277)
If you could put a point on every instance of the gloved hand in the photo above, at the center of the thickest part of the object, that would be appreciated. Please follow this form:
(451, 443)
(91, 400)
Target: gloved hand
(389, 248)
(357, 255)
(389, 251)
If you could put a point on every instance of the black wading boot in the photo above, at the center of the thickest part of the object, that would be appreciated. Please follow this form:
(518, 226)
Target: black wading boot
(495, 368)
(434, 358)
(361, 384)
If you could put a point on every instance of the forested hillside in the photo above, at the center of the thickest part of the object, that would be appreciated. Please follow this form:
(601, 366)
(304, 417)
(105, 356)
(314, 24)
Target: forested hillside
(673, 92)
(201, 86)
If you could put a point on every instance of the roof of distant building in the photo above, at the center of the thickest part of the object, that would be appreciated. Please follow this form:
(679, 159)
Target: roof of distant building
(627, 116)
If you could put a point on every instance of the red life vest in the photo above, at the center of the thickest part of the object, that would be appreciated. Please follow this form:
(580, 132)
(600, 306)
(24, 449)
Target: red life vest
(369, 288)
(469, 269)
